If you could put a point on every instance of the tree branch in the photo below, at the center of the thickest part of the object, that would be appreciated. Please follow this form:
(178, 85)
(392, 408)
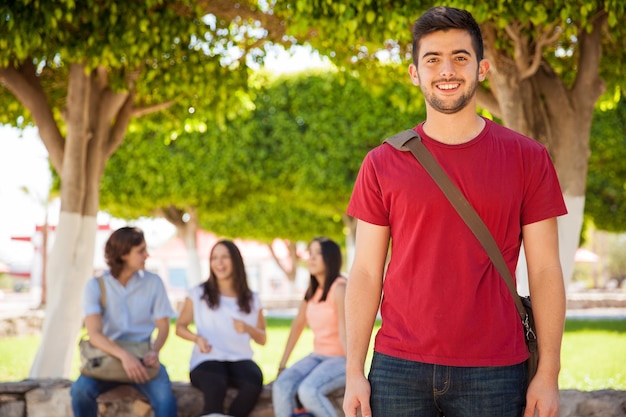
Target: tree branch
(25, 86)
(526, 63)
(587, 78)
(142, 111)
(289, 271)
(172, 214)
(118, 131)
(520, 51)
(548, 36)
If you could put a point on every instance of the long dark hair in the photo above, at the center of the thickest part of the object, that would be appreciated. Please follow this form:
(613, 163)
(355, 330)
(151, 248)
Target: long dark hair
(331, 254)
(119, 244)
(446, 18)
(211, 292)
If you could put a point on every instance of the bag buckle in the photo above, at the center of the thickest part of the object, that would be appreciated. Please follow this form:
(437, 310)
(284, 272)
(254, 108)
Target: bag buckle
(530, 333)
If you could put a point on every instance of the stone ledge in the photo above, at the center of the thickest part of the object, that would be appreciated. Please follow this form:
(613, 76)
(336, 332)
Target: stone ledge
(125, 401)
(51, 398)
(603, 403)
(22, 323)
(596, 299)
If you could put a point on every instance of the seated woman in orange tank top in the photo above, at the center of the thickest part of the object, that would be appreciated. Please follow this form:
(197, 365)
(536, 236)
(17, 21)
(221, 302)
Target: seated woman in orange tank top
(315, 376)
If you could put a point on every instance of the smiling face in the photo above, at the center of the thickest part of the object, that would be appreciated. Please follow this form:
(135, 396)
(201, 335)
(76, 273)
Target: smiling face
(221, 262)
(447, 70)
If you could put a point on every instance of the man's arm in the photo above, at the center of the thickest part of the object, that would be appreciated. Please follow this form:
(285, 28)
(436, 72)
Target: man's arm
(163, 330)
(547, 291)
(339, 295)
(133, 367)
(363, 294)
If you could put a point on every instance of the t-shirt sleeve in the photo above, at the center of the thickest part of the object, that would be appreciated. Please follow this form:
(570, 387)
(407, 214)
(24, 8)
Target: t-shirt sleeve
(162, 305)
(91, 298)
(193, 292)
(366, 202)
(544, 198)
(257, 303)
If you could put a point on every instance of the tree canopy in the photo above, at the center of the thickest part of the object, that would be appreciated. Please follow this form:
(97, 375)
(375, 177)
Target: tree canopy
(606, 183)
(352, 31)
(83, 72)
(284, 170)
(550, 64)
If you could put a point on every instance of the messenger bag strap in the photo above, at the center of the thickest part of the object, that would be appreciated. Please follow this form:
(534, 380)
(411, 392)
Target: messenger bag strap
(103, 293)
(409, 140)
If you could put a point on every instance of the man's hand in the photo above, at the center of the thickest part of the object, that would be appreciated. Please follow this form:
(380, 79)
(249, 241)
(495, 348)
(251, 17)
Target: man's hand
(542, 397)
(151, 359)
(135, 370)
(357, 395)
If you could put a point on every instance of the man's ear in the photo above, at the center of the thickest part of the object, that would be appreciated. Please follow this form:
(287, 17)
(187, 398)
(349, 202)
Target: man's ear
(483, 69)
(413, 74)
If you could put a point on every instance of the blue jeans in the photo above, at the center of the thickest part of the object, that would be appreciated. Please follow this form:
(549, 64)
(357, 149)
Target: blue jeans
(311, 378)
(403, 388)
(85, 391)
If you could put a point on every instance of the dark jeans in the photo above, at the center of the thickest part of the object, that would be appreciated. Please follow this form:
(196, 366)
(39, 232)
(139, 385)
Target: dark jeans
(214, 377)
(403, 388)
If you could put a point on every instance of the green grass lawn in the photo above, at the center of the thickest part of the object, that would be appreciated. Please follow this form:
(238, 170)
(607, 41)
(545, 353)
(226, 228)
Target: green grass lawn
(593, 354)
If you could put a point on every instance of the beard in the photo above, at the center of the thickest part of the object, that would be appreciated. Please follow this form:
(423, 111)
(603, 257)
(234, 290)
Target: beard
(447, 106)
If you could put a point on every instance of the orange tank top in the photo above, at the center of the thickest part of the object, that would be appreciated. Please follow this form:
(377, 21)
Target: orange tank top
(323, 319)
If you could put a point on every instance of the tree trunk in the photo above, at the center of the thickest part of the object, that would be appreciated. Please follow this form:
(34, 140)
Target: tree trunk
(189, 235)
(288, 267)
(540, 105)
(565, 133)
(562, 122)
(70, 265)
(96, 119)
(187, 230)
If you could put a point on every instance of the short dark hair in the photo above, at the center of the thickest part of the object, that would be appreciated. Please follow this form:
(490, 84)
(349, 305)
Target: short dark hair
(446, 18)
(331, 255)
(211, 293)
(119, 244)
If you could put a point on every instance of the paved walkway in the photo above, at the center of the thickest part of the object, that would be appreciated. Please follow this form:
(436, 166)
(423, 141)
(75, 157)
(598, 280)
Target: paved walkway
(597, 313)
(12, 304)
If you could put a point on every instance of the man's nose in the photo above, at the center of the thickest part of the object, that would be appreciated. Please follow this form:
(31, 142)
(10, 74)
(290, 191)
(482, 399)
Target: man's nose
(447, 68)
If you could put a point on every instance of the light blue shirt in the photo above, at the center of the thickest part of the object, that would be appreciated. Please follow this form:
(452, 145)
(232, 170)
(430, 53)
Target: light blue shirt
(130, 312)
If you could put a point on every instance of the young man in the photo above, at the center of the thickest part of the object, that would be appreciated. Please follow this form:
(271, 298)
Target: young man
(136, 304)
(451, 342)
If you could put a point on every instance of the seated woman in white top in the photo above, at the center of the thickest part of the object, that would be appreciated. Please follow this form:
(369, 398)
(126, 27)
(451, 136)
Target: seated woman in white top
(227, 315)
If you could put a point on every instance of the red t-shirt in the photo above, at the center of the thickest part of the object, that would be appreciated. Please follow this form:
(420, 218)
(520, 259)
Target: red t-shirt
(443, 300)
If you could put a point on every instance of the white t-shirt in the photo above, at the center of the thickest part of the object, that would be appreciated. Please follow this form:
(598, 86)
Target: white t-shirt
(217, 327)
